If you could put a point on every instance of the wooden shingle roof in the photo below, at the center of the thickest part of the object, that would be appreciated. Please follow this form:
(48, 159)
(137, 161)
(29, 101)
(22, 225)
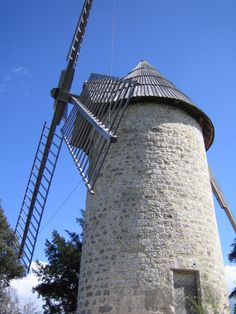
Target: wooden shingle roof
(152, 85)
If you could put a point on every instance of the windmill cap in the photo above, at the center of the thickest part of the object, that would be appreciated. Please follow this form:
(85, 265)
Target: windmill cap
(151, 84)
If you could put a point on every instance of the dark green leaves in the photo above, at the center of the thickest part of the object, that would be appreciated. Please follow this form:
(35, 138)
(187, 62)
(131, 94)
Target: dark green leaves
(59, 278)
(10, 266)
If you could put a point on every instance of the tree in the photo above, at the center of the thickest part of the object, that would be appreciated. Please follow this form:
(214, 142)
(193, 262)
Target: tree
(59, 278)
(232, 258)
(10, 266)
(29, 308)
(10, 303)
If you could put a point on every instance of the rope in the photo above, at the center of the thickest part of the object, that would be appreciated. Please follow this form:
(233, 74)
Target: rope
(60, 207)
(113, 36)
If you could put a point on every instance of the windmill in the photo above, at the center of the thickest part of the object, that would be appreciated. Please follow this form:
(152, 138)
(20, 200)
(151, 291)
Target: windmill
(88, 131)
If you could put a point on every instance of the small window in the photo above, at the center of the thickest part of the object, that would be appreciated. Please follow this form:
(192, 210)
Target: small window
(185, 290)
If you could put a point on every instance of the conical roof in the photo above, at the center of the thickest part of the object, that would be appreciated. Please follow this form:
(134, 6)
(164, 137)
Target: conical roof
(151, 85)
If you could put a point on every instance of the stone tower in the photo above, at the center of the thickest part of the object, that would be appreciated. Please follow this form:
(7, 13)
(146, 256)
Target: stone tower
(151, 243)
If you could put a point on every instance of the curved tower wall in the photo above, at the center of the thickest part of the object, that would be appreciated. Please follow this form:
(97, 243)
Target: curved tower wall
(152, 220)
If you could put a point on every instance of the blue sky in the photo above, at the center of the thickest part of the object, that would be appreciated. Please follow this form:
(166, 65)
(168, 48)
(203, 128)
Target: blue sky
(192, 43)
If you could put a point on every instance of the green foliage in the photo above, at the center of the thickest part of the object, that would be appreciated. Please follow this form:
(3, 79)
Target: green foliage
(232, 255)
(80, 221)
(10, 266)
(59, 278)
(232, 258)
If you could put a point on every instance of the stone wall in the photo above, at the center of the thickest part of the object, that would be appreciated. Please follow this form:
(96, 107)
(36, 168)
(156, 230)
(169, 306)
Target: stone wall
(152, 214)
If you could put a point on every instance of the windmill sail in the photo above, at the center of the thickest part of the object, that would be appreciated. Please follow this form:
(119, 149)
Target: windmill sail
(67, 75)
(92, 124)
(38, 186)
(88, 132)
(30, 216)
(79, 34)
(221, 200)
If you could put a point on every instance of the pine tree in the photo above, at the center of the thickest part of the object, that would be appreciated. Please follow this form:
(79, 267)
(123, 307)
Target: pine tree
(10, 266)
(232, 258)
(10, 304)
(59, 278)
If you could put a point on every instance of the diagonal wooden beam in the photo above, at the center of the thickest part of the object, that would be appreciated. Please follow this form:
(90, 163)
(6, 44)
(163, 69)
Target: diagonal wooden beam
(221, 200)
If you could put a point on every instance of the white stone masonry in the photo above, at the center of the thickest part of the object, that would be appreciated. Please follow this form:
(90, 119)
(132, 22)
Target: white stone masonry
(151, 219)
